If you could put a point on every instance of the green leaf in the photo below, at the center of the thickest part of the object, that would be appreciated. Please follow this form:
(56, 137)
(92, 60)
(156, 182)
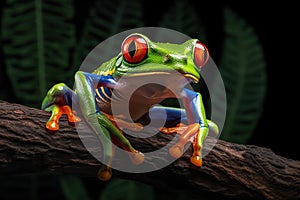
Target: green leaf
(38, 38)
(73, 188)
(119, 189)
(243, 70)
(105, 19)
(182, 17)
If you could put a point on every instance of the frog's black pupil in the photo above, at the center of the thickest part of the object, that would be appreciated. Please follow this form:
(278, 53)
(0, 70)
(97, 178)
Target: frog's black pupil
(132, 48)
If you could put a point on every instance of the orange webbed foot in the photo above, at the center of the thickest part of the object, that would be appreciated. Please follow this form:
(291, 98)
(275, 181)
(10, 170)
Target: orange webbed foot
(187, 134)
(105, 173)
(72, 118)
(137, 157)
(52, 126)
(196, 160)
(57, 111)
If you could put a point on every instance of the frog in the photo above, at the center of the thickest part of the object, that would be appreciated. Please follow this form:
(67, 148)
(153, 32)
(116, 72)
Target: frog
(139, 57)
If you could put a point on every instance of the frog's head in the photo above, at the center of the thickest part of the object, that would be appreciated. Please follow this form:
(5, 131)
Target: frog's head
(140, 56)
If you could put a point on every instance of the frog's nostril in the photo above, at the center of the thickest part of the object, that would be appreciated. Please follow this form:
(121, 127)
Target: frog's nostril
(166, 58)
(184, 59)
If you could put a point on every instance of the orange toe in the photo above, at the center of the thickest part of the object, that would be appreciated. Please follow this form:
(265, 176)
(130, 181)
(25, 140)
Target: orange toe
(71, 116)
(176, 151)
(105, 175)
(137, 158)
(74, 119)
(196, 160)
(52, 126)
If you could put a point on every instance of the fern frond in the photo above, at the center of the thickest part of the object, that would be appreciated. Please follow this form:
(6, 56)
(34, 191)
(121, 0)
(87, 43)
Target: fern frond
(38, 38)
(182, 17)
(243, 70)
(105, 19)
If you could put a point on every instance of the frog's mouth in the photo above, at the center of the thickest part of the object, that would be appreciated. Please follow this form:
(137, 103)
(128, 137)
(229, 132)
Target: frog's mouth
(192, 77)
(189, 77)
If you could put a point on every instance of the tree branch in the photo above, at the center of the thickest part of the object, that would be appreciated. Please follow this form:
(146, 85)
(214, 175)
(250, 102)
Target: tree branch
(229, 170)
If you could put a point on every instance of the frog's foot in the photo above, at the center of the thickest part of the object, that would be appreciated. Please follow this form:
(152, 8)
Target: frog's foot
(57, 112)
(179, 129)
(188, 135)
(57, 101)
(121, 124)
(104, 173)
(136, 157)
(196, 160)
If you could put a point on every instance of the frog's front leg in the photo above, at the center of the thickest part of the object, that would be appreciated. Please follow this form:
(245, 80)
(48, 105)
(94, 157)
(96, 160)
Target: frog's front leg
(198, 124)
(58, 101)
(86, 84)
(197, 129)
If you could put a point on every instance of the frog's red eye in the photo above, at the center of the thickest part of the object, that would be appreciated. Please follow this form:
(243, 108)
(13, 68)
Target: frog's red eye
(201, 54)
(134, 49)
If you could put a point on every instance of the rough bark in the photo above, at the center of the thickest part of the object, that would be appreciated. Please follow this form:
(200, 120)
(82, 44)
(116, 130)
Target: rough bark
(229, 170)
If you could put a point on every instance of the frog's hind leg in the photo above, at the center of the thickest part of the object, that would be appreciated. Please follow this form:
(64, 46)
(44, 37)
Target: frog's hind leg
(100, 124)
(119, 139)
(58, 101)
(107, 133)
(105, 171)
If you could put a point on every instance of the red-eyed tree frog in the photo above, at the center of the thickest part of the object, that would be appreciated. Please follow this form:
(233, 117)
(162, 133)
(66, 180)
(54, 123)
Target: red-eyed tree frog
(139, 57)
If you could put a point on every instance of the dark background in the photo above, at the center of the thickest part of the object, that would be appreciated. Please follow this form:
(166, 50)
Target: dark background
(276, 26)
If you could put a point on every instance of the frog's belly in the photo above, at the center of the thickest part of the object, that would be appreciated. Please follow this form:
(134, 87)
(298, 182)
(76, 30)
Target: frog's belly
(137, 104)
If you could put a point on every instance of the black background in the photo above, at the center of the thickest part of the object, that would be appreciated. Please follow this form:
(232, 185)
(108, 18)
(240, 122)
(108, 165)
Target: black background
(276, 25)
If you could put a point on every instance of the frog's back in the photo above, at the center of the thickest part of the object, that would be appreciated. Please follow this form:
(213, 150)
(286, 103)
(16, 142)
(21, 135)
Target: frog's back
(107, 68)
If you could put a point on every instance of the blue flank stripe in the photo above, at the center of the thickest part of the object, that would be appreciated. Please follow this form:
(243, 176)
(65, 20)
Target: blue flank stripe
(103, 94)
(107, 91)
